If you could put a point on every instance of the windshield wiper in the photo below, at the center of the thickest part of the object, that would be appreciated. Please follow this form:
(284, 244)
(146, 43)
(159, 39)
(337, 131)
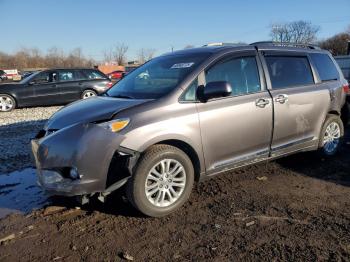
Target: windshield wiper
(123, 96)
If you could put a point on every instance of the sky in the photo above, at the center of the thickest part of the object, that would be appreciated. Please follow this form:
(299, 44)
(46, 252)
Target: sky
(162, 25)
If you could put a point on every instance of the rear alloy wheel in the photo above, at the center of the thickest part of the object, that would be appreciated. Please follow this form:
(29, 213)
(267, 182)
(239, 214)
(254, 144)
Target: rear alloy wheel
(331, 136)
(7, 103)
(88, 93)
(162, 181)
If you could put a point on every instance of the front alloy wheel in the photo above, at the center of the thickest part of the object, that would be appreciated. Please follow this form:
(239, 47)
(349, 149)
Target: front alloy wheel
(165, 183)
(162, 181)
(7, 103)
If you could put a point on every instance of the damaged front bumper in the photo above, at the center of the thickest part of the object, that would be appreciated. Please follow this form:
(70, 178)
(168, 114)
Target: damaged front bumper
(89, 150)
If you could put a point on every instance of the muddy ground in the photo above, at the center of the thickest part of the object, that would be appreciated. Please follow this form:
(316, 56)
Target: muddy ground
(293, 209)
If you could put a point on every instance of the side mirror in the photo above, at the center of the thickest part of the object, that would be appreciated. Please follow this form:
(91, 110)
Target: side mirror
(31, 83)
(214, 90)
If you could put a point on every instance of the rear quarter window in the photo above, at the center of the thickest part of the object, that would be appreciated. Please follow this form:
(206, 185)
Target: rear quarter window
(289, 71)
(325, 67)
(94, 74)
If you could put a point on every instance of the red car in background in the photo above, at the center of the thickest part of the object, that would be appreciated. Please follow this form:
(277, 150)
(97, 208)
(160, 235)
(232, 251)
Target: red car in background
(116, 75)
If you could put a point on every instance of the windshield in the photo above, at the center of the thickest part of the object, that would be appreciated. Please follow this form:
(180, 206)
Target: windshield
(156, 78)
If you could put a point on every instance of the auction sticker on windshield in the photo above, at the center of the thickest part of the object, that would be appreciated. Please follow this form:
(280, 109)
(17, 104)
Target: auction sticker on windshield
(182, 65)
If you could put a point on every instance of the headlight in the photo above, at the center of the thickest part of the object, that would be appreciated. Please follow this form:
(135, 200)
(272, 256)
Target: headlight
(115, 125)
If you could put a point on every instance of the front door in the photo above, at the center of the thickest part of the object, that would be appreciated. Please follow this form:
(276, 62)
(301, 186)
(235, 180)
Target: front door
(238, 128)
(45, 87)
(300, 105)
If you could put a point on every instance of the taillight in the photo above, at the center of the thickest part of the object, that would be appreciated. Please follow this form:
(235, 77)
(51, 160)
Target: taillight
(346, 89)
(109, 84)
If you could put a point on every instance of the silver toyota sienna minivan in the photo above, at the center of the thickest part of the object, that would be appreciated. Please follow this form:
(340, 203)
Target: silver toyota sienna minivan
(189, 115)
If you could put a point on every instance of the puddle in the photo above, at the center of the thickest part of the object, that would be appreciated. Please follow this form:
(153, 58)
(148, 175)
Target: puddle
(19, 192)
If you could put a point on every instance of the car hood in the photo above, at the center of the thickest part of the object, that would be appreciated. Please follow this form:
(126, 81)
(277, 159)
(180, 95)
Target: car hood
(90, 110)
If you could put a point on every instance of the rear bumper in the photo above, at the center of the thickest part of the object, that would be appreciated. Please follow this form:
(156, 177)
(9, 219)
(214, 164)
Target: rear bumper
(86, 147)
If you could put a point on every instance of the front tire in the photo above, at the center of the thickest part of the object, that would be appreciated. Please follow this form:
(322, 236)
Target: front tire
(7, 103)
(331, 135)
(162, 181)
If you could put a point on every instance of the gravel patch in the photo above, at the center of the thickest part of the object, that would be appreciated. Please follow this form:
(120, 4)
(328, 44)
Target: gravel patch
(17, 128)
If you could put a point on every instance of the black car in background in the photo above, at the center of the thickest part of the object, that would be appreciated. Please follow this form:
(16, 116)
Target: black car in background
(344, 64)
(3, 76)
(53, 87)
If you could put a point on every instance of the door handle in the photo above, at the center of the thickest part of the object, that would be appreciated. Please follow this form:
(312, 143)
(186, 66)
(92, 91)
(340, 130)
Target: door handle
(281, 98)
(54, 85)
(262, 102)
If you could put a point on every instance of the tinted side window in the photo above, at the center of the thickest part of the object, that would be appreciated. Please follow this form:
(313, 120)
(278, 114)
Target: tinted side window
(288, 71)
(78, 75)
(94, 74)
(242, 73)
(45, 77)
(325, 67)
(66, 76)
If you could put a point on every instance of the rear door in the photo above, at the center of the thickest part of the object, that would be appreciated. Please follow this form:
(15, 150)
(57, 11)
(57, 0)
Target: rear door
(70, 82)
(300, 101)
(238, 128)
(46, 90)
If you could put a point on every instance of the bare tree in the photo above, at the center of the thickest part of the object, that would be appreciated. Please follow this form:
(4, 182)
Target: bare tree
(54, 57)
(33, 58)
(119, 53)
(145, 54)
(296, 32)
(336, 44)
(108, 55)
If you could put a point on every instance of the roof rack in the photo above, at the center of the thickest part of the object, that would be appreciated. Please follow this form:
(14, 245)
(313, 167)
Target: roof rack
(223, 44)
(273, 43)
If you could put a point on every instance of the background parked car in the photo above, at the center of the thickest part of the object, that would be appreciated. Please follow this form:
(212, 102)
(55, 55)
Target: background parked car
(53, 87)
(116, 75)
(3, 76)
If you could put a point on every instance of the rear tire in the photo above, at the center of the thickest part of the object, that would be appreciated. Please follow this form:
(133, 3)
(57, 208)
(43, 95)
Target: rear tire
(331, 136)
(162, 181)
(88, 93)
(7, 103)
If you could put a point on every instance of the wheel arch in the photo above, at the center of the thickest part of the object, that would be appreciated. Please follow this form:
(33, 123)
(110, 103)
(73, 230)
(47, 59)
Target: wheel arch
(189, 151)
(333, 112)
